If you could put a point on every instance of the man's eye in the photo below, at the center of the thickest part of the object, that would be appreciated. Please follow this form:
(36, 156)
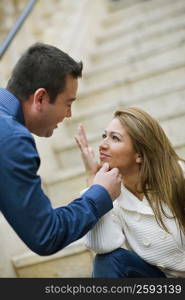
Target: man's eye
(103, 136)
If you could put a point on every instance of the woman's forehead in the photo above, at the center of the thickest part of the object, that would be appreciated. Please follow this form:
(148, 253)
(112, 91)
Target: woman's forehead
(115, 125)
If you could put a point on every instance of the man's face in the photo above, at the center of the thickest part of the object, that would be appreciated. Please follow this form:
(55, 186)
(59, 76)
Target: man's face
(48, 115)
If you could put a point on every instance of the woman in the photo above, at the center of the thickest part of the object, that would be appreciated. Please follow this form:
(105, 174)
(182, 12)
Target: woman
(143, 236)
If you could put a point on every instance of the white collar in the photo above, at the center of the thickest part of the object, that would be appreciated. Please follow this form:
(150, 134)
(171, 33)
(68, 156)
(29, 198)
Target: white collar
(130, 202)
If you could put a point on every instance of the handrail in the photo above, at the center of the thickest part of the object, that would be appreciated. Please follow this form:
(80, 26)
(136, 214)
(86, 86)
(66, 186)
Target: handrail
(4, 46)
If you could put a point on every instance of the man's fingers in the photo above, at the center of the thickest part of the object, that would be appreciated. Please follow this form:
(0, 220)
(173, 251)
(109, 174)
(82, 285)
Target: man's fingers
(114, 171)
(104, 168)
(120, 177)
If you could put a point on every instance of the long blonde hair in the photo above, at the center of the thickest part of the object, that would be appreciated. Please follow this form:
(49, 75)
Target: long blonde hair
(161, 176)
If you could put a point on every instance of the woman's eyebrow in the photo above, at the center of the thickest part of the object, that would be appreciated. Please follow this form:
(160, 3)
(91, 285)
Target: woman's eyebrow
(111, 132)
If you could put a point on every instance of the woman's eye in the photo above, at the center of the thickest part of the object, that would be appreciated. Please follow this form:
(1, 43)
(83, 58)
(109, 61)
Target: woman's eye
(114, 137)
(103, 136)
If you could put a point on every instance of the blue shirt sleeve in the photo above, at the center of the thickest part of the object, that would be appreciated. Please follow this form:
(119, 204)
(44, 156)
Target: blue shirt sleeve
(29, 211)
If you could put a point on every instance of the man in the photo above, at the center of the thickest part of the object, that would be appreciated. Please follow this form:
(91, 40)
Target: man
(38, 96)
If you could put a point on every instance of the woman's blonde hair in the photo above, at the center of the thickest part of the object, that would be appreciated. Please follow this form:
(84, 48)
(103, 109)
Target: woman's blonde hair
(161, 176)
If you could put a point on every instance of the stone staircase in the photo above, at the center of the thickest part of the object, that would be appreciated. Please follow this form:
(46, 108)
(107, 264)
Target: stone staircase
(137, 59)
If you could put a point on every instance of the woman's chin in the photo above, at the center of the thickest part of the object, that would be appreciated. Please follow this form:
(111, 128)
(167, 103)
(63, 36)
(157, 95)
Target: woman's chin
(104, 161)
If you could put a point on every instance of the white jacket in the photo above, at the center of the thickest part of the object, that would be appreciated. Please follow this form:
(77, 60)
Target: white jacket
(131, 224)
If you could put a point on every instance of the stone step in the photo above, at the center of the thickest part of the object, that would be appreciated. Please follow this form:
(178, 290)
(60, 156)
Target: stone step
(49, 163)
(173, 128)
(140, 11)
(132, 55)
(64, 185)
(141, 31)
(127, 31)
(11, 245)
(73, 261)
(138, 47)
(149, 84)
(139, 67)
(115, 5)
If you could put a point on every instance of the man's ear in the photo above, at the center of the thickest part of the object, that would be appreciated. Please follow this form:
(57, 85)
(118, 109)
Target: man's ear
(138, 159)
(40, 99)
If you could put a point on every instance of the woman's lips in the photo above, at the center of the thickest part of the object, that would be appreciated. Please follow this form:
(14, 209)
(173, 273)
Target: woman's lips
(104, 156)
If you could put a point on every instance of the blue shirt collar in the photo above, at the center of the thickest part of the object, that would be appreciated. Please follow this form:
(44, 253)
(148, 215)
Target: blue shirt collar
(11, 105)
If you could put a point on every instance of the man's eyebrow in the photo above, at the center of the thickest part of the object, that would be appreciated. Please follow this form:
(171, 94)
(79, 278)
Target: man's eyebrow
(71, 99)
(111, 132)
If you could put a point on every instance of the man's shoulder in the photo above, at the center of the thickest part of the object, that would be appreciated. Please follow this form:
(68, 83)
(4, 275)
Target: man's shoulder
(17, 146)
(11, 127)
(15, 137)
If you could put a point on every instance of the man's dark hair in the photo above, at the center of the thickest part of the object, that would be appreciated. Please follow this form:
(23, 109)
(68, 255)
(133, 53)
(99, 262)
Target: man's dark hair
(42, 66)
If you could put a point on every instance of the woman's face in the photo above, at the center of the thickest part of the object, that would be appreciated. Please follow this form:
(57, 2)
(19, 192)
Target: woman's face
(117, 149)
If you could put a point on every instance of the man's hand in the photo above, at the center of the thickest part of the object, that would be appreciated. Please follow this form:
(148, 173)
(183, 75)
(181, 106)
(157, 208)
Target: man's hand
(110, 180)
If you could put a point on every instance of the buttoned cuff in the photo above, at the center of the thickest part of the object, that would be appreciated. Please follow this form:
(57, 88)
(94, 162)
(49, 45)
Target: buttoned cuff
(100, 198)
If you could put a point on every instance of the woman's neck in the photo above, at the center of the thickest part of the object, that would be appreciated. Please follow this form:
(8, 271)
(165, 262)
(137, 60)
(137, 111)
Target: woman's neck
(132, 183)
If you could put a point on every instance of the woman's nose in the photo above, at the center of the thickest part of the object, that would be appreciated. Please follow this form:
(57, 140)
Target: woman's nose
(103, 144)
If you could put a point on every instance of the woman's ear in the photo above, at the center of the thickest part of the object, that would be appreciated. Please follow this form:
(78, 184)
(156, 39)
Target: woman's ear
(138, 159)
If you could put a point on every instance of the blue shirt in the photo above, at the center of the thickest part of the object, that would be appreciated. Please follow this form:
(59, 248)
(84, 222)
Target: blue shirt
(28, 210)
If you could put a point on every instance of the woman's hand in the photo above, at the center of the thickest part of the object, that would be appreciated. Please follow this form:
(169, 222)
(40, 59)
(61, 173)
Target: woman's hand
(88, 156)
